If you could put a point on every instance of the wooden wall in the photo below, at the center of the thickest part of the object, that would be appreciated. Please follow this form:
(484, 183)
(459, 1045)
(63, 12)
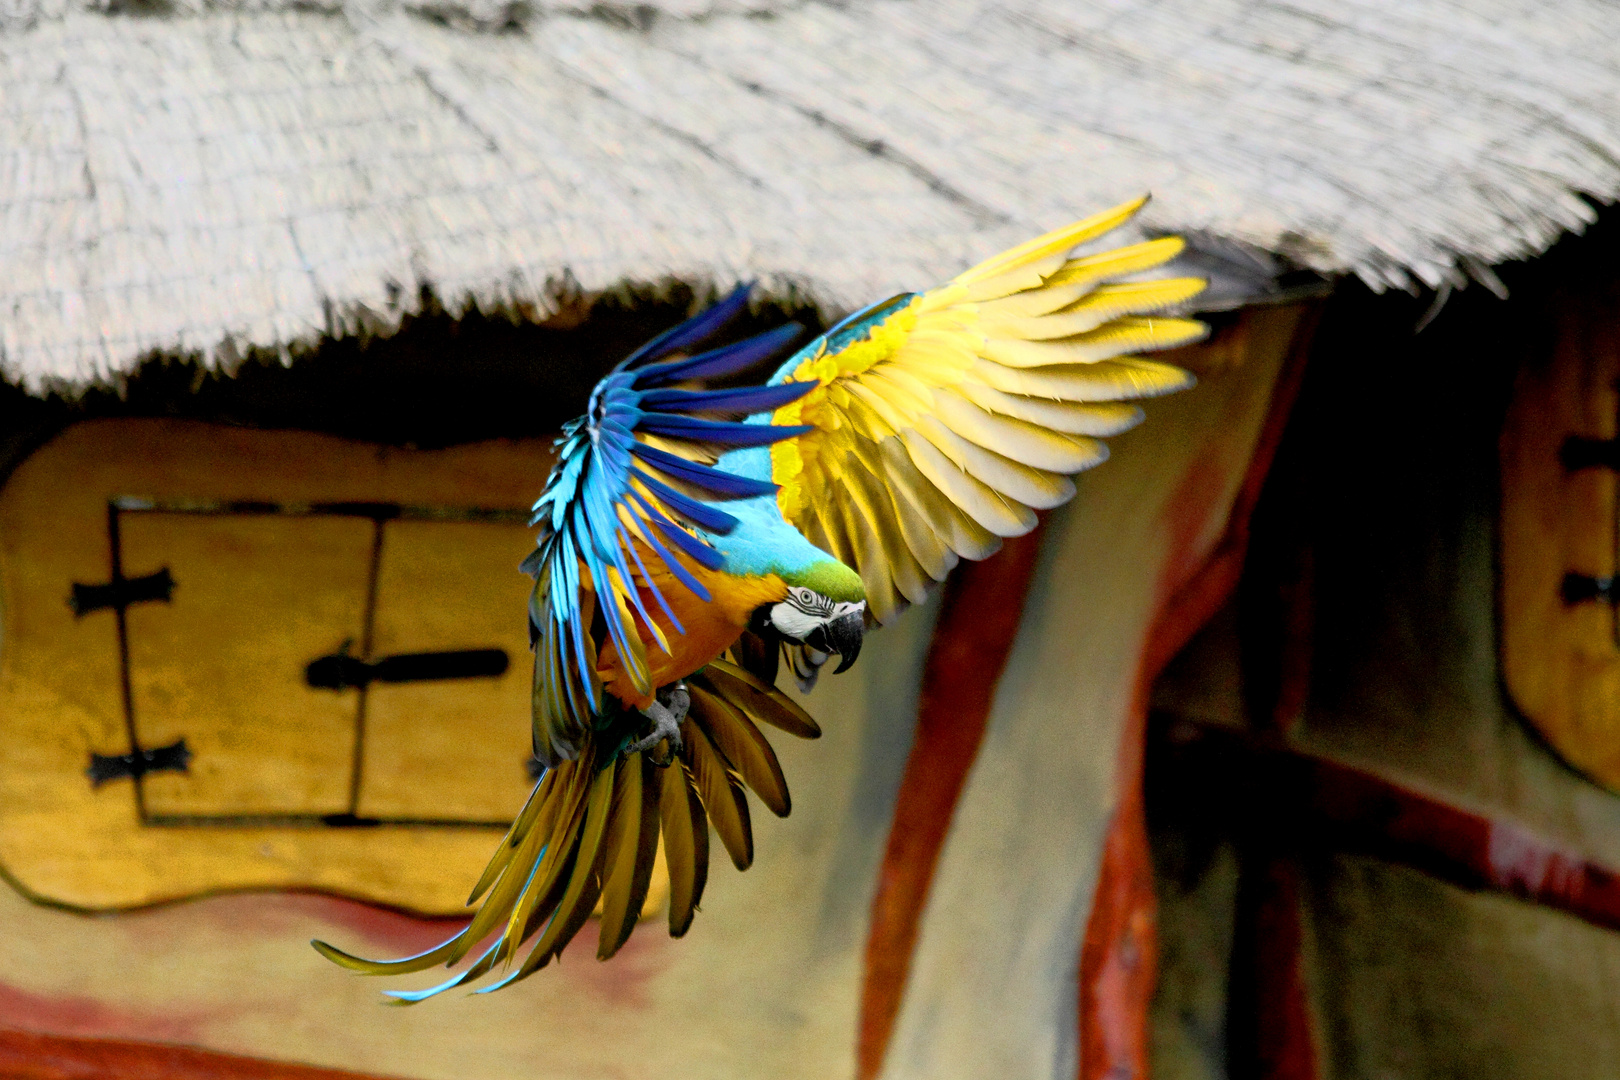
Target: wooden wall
(1370, 863)
(1025, 947)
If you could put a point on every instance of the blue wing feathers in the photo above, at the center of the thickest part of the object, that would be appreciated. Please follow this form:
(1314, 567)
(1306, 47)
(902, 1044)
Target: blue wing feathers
(724, 485)
(607, 478)
(658, 594)
(746, 400)
(727, 360)
(717, 431)
(690, 332)
(698, 512)
(700, 552)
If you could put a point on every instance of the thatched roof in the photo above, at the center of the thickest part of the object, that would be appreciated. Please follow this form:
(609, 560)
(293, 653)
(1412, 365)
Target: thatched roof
(213, 176)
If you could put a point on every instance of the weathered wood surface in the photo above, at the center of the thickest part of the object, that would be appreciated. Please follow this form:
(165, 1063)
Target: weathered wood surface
(1387, 502)
(222, 665)
(1452, 880)
(1560, 655)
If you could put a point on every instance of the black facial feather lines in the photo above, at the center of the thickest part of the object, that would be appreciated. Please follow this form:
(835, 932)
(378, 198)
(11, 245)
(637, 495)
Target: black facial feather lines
(810, 602)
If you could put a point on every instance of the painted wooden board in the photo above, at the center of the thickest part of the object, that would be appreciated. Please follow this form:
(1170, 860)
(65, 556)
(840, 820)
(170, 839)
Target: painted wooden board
(1559, 461)
(272, 568)
(766, 982)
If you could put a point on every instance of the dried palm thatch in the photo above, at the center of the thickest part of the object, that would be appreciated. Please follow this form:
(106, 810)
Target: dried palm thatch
(203, 176)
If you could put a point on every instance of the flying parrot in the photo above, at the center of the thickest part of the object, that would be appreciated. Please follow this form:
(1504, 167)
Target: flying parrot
(690, 536)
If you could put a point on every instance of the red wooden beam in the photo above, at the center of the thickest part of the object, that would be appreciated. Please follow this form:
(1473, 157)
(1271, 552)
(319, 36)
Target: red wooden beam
(1466, 848)
(981, 608)
(1119, 954)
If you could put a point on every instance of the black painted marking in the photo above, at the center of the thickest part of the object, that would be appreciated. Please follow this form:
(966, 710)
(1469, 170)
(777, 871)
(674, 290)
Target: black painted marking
(1583, 588)
(176, 757)
(1579, 452)
(311, 821)
(121, 592)
(340, 671)
(335, 672)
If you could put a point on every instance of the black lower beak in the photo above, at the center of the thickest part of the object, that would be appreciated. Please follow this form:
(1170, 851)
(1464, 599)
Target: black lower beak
(844, 638)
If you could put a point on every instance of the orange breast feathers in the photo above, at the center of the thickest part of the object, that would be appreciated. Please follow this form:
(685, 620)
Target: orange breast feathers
(712, 626)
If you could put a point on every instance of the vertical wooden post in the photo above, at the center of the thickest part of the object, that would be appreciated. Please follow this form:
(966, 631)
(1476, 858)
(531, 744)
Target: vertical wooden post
(982, 605)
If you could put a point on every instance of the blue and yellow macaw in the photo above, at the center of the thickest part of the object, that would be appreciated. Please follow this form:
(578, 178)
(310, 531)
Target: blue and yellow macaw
(689, 536)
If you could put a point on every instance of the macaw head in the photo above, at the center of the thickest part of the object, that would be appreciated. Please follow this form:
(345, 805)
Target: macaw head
(824, 611)
(818, 622)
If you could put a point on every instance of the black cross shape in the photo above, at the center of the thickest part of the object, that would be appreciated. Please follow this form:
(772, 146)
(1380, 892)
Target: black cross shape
(118, 594)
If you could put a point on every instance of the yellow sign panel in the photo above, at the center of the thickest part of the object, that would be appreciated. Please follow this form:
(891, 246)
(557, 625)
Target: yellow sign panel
(261, 659)
(1559, 461)
(216, 663)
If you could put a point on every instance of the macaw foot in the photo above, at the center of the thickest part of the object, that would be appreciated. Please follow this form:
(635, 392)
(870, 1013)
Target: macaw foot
(666, 715)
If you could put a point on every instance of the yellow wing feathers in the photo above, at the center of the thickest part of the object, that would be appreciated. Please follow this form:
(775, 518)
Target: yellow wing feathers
(962, 410)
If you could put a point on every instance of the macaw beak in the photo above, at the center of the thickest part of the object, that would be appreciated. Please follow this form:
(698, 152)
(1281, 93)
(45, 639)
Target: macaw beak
(844, 638)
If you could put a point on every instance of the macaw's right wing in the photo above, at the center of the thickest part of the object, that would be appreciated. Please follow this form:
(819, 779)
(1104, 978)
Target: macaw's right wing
(942, 420)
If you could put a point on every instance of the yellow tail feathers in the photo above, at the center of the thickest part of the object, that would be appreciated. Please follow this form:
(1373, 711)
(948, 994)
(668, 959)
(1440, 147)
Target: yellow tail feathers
(591, 831)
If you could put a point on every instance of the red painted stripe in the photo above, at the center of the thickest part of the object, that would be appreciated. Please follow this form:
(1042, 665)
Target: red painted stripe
(1295, 800)
(1467, 848)
(27, 1056)
(981, 608)
(1283, 1039)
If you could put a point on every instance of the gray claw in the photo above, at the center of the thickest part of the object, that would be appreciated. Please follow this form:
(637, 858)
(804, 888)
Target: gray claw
(666, 717)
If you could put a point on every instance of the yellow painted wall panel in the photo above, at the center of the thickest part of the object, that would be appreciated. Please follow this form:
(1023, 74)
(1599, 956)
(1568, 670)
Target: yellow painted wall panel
(264, 742)
(222, 663)
(450, 749)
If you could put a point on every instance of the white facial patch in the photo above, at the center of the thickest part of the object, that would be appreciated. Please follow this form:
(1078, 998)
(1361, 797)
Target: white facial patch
(793, 622)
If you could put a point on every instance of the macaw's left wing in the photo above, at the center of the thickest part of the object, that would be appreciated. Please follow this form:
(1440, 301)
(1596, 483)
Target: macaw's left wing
(944, 419)
(633, 489)
(634, 485)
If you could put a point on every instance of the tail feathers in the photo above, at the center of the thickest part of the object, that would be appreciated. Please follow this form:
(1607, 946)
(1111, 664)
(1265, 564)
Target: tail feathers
(686, 845)
(590, 831)
(762, 702)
